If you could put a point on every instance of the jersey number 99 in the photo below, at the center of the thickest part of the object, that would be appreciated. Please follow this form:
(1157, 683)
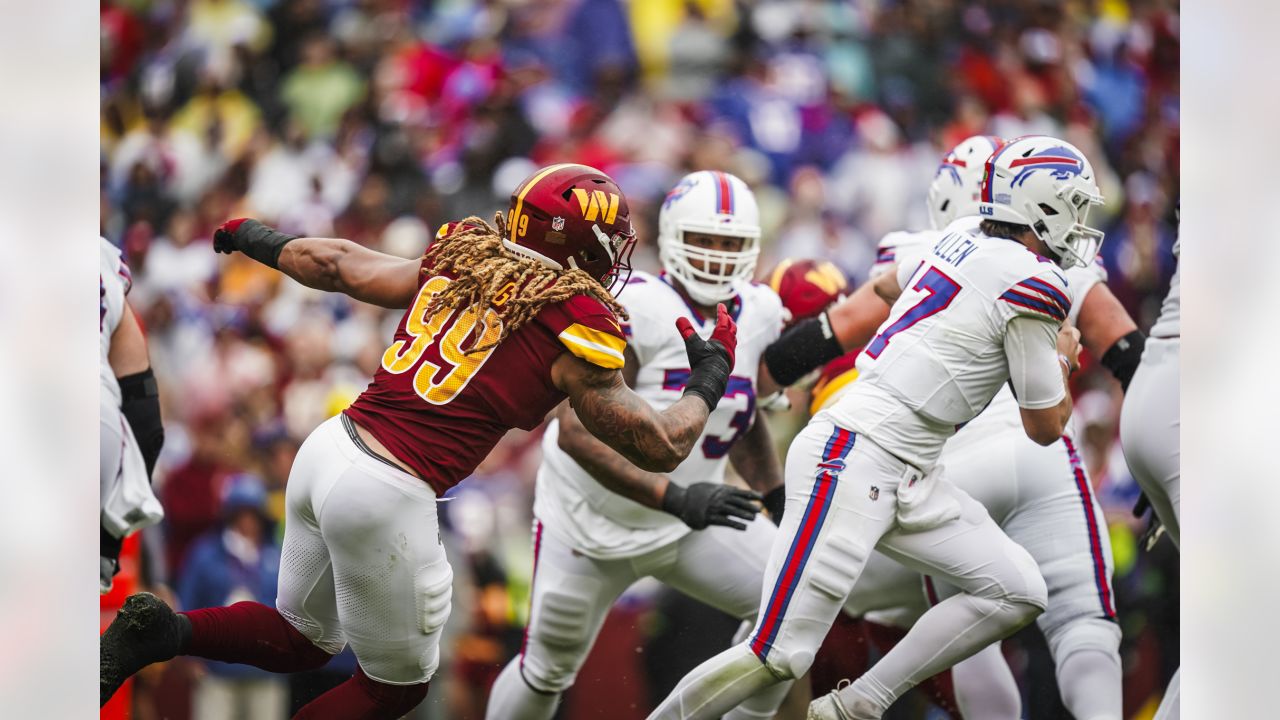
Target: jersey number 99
(446, 329)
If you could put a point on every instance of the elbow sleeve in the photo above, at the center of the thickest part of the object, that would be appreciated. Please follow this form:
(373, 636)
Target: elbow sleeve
(1123, 356)
(805, 347)
(140, 405)
(1031, 348)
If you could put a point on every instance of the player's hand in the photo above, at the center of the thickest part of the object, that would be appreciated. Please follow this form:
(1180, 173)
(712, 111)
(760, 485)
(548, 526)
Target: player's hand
(257, 240)
(711, 360)
(1069, 345)
(224, 238)
(703, 504)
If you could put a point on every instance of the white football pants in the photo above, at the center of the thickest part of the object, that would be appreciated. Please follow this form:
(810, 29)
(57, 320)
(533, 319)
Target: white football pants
(1149, 430)
(841, 503)
(362, 560)
(572, 594)
(127, 503)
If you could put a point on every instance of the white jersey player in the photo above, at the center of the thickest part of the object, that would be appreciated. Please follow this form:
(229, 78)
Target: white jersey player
(982, 309)
(590, 544)
(1149, 431)
(127, 398)
(1042, 498)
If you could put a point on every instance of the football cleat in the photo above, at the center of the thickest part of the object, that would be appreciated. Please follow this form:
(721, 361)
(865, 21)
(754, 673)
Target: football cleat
(144, 631)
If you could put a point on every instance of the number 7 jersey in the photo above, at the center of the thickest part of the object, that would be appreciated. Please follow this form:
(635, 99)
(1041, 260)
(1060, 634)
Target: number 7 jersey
(604, 525)
(939, 358)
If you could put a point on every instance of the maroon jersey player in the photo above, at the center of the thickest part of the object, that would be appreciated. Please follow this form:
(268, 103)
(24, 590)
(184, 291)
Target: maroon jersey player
(503, 323)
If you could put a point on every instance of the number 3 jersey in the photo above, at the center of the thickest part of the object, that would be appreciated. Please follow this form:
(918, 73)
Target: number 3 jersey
(604, 525)
(440, 411)
(939, 359)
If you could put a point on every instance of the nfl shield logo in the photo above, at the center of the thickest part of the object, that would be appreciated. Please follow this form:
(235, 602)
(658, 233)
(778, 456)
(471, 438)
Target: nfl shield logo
(557, 223)
(874, 494)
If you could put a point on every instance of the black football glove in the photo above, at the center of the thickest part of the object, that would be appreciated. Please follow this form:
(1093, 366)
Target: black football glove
(260, 242)
(703, 504)
(711, 360)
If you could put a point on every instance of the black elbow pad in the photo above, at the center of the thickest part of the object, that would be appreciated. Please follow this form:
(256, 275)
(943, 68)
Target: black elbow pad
(140, 404)
(1123, 357)
(805, 347)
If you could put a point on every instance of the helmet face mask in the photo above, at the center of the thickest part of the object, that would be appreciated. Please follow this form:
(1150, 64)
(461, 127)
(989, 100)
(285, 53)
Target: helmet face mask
(704, 206)
(1048, 185)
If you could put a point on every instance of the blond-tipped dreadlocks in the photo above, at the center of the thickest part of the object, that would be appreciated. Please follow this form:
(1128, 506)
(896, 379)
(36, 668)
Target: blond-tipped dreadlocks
(483, 269)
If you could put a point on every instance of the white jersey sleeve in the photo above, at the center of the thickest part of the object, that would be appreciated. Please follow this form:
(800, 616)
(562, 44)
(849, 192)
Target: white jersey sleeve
(1031, 348)
(114, 283)
(602, 524)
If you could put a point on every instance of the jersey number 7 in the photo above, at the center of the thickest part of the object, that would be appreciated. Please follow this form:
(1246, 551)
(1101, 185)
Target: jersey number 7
(939, 291)
(429, 382)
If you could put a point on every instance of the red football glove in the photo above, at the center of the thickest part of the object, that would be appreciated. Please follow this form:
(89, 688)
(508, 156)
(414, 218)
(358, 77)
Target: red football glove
(711, 360)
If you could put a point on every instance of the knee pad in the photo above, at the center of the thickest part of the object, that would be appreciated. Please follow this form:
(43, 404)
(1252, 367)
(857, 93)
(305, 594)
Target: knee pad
(557, 642)
(433, 590)
(1022, 583)
(834, 569)
(1085, 634)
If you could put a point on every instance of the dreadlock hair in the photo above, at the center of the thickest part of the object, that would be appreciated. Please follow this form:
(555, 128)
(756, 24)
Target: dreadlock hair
(488, 276)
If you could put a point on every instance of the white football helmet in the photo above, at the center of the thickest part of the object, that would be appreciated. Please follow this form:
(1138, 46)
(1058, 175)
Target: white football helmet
(954, 190)
(715, 203)
(1048, 185)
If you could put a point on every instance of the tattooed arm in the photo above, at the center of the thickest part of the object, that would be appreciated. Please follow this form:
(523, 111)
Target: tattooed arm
(609, 468)
(654, 441)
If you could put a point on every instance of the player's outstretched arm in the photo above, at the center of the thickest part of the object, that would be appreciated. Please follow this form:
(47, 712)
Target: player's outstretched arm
(697, 506)
(1109, 334)
(850, 324)
(652, 440)
(329, 264)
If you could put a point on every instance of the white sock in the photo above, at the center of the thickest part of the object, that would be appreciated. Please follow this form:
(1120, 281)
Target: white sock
(1090, 684)
(985, 687)
(949, 632)
(512, 699)
(763, 704)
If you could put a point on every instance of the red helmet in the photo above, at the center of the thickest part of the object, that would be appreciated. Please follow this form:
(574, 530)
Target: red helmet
(572, 216)
(807, 287)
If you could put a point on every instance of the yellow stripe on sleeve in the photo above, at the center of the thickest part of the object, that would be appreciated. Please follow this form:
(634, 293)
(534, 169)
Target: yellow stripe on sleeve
(595, 346)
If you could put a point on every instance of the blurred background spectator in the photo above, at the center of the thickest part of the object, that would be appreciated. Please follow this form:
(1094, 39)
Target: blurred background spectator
(377, 120)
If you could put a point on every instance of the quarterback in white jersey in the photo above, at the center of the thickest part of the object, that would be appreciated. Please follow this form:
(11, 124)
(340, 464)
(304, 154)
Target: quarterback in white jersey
(982, 309)
(591, 543)
(129, 416)
(1043, 499)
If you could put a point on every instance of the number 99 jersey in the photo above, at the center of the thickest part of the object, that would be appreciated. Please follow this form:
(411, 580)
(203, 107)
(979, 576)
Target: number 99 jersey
(603, 525)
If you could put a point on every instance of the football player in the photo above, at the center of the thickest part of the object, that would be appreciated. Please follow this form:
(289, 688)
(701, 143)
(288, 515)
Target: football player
(1040, 496)
(1150, 431)
(590, 543)
(503, 323)
(129, 417)
(980, 308)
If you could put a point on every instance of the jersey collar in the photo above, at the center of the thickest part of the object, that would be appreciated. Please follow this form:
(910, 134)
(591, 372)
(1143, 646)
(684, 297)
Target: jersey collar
(734, 305)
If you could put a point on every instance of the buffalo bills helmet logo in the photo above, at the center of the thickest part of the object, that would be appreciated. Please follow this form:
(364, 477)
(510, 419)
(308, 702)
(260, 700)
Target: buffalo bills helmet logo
(1061, 163)
(679, 191)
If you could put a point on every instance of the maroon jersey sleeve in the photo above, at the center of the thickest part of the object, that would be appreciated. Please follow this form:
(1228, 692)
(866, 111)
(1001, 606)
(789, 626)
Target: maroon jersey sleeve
(440, 409)
(588, 329)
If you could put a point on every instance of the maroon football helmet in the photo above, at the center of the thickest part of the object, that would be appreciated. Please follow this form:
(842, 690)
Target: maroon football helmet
(572, 216)
(807, 287)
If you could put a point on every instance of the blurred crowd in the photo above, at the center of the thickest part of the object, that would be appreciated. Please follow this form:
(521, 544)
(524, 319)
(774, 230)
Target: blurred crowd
(377, 120)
